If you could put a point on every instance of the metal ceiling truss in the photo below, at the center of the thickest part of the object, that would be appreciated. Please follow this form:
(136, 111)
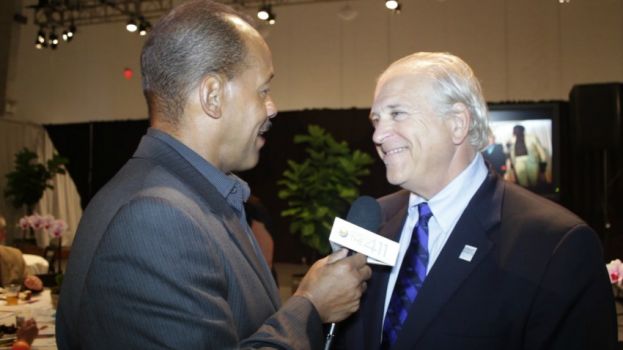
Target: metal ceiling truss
(59, 13)
(255, 4)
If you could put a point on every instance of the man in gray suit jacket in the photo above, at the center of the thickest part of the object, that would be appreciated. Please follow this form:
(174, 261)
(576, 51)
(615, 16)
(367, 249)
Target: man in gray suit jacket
(163, 257)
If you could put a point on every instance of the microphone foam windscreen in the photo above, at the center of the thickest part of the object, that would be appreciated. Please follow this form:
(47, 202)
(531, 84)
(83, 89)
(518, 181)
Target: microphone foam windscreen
(365, 212)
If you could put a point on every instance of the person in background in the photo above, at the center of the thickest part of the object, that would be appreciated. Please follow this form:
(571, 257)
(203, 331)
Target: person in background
(25, 335)
(13, 266)
(12, 270)
(483, 263)
(494, 154)
(528, 159)
(260, 223)
(163, 257)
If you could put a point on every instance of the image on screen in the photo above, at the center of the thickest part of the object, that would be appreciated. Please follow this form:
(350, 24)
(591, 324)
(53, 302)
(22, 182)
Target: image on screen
(523, 145)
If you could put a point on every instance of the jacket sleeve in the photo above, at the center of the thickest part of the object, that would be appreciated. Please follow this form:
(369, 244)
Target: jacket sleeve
(158, 281)
(574, 308)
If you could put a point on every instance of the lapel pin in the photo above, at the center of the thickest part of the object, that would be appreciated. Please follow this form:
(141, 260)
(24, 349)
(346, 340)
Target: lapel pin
(468, 253)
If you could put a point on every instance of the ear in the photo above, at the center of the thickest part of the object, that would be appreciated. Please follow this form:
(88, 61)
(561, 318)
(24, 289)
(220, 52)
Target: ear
(459, 122)
(211, 95)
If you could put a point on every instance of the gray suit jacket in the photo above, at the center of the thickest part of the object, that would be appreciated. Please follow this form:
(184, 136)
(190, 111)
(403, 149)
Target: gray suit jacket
(160, 261)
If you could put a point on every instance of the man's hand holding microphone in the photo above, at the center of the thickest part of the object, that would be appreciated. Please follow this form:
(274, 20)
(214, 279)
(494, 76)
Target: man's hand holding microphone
(334, 285)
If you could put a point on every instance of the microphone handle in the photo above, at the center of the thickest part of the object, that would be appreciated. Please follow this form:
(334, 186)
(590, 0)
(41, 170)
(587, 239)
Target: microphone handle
(330, 335)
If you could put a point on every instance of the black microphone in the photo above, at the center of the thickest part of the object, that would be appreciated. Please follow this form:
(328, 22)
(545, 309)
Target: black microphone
(365, 212)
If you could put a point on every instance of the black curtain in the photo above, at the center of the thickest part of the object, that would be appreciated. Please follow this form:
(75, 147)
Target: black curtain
(97, 150)
(591, 181)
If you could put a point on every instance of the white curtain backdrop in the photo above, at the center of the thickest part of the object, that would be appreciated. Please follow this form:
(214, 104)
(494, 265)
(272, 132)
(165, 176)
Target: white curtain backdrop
(63, 202)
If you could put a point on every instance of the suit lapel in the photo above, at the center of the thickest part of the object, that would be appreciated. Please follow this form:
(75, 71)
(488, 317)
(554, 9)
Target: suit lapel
(164, 155)
(450, 271)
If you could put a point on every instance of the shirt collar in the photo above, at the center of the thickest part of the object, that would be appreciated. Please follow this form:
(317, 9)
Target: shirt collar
(231, 187)
(448, 205)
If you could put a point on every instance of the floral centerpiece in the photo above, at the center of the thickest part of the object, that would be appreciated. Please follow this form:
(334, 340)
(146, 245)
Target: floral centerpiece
(615, 271)
(54, 227)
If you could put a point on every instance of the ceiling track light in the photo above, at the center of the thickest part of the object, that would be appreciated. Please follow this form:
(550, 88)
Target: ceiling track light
(131, 25)
(144, 27)
(53, 39)
(272, 19)
(65, 15)
(264, 12)
(71, 31)
(40, 36)
(393, 5)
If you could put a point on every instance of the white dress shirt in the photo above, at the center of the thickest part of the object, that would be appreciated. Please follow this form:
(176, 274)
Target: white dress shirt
(447, 207)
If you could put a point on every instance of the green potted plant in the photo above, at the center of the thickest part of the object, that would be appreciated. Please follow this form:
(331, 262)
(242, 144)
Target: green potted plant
(27, 182)
(322, 186)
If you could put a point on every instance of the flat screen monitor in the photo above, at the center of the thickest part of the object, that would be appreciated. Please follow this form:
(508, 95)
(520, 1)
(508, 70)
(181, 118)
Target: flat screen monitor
(524, 145)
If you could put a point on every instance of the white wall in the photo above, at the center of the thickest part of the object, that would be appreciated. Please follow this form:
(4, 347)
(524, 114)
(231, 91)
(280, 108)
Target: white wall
(520, 49)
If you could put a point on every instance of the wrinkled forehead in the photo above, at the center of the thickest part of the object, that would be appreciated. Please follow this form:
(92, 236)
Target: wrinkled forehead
(402, 79)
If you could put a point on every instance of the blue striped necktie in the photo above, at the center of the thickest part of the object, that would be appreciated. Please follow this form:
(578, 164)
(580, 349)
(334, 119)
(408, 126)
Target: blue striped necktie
(410, 278)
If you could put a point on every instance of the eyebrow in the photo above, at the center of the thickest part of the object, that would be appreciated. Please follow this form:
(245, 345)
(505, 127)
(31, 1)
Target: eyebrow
(390, 107)
(272, 75)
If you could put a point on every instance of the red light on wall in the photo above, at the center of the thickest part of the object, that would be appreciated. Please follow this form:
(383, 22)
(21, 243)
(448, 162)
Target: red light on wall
(128, 73)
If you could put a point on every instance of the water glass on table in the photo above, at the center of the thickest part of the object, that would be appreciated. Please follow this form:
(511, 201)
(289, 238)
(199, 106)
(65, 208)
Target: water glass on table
(12, 294)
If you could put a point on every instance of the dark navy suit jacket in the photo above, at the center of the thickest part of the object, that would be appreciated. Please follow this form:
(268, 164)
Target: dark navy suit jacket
(536, 281)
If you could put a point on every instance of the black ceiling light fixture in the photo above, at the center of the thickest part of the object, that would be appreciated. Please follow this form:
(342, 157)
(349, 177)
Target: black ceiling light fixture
(144, 27)
(393, 5)
(53, 39)
(272, 19)
(67, 15)
(131, 25)
(40, 36)
(264, 12)
(71, 31)
(136, 14)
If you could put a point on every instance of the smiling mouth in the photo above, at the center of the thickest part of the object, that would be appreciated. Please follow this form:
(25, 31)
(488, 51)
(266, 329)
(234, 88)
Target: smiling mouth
(394, 151)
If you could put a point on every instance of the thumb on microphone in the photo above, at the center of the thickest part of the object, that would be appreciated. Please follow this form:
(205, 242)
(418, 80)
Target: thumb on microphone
(337, 255)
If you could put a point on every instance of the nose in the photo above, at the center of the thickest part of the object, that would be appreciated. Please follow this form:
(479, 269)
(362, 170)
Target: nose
(271, 107)
(381, 131)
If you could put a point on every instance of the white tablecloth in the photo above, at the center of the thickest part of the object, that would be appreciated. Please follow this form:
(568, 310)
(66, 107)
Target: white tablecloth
(40, 308)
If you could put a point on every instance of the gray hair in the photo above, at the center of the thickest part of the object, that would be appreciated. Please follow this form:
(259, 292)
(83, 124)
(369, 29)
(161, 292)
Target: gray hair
(453, 82)
(191, 41)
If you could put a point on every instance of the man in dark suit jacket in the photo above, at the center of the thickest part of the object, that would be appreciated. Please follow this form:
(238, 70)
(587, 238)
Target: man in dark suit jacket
(163, 257)
(505, 269)
(494, 154)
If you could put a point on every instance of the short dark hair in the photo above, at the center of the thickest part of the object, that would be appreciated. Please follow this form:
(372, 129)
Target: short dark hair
(192, 40)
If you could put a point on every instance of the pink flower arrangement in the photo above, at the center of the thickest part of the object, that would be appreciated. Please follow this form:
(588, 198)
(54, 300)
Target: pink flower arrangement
(615, 271)
(54, 227)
